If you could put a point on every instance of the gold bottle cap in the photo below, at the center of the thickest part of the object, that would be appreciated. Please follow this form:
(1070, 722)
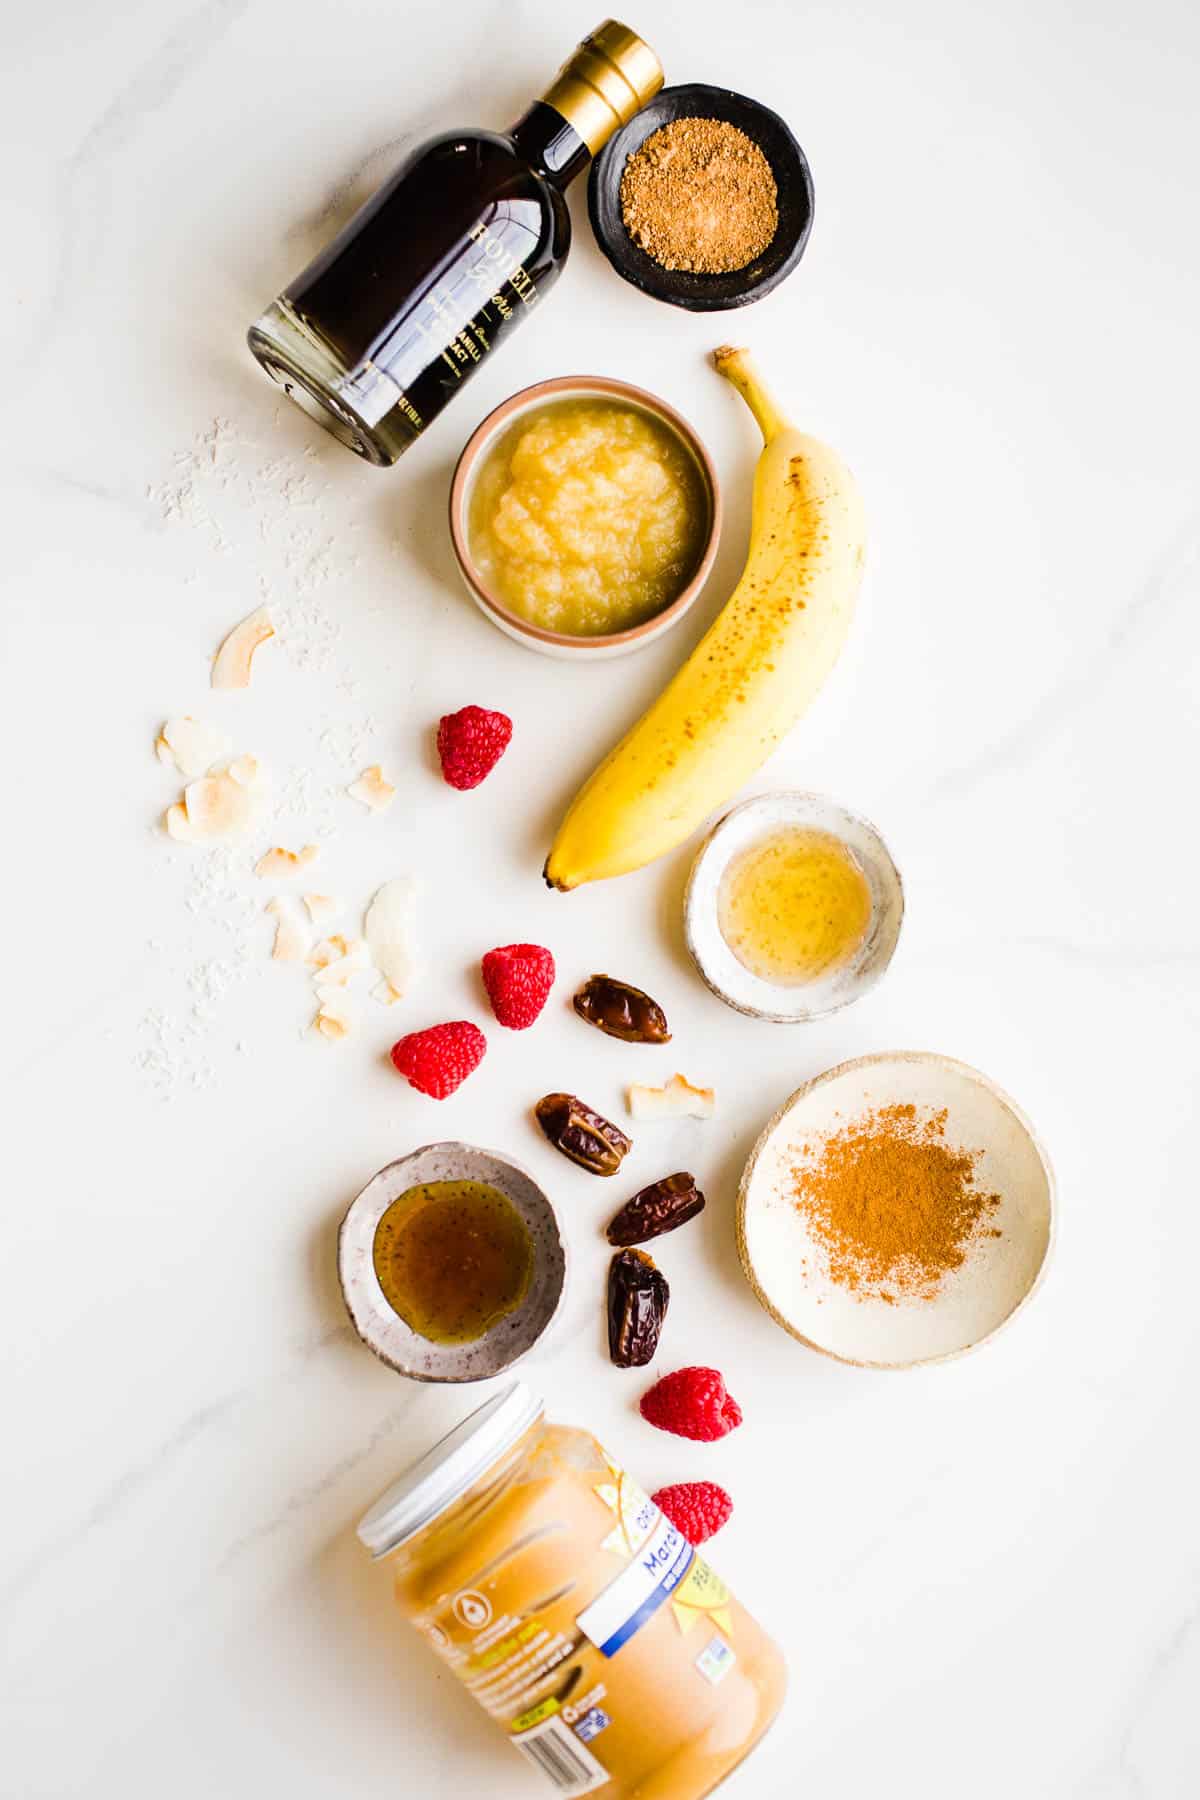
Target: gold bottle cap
(604, 82)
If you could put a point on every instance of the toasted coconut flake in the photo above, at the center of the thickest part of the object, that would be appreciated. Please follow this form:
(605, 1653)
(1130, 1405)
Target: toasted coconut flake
(231, 665)
(322, 908)
(292, 936)
(328, 950)
(279, 862)
(334, 1019)
(385, 993)
(338, 973)
(676, 1099)
(371, 789)
(191, 745)
(247, 771)
(213, 807)
(176, 821)
(388, 931)
(215, 804)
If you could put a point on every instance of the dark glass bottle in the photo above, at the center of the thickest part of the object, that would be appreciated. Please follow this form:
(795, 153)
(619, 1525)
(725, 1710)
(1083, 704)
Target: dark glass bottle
(384, 326)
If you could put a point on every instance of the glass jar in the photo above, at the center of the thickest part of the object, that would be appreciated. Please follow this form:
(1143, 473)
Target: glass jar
(573, 1611)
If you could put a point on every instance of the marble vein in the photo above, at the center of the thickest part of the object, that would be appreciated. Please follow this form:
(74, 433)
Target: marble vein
(148, 90)
(348, 192)
(134, 1480)
(303, 1497)
(127, 1486)
(1165, 958)
(1174, 581)
(1168, 1651)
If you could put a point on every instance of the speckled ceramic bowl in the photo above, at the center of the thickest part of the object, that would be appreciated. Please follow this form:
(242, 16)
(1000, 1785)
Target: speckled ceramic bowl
(724, 973)
(383, 1331)
(560, 643)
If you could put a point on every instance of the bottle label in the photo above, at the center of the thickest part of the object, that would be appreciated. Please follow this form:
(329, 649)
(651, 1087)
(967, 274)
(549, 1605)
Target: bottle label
(498, 264)
(459, 317)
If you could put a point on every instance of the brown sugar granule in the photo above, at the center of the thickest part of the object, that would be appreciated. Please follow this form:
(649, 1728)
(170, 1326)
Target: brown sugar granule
(893, 1207)
(699, 195)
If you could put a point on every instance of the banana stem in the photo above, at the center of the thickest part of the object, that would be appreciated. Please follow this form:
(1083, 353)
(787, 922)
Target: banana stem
(736, 366)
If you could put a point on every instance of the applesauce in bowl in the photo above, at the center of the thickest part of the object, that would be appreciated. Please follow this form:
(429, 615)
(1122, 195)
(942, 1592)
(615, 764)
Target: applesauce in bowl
(584, 515)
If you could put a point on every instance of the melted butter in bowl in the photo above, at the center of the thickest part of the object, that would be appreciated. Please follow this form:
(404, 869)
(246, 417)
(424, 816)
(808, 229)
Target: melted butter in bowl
(793, 907)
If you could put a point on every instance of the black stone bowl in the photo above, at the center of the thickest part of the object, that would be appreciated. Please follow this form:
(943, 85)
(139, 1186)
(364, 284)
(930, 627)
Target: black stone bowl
(679, 287)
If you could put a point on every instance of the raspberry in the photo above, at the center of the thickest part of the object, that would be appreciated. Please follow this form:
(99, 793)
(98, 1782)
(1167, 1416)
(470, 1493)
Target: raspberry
(518, 979)
(697, 1508)
(471, 743)
(439, 1060)
(693, 1404)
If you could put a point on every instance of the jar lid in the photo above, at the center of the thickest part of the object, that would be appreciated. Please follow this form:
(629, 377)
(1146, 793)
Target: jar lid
(445, 1473)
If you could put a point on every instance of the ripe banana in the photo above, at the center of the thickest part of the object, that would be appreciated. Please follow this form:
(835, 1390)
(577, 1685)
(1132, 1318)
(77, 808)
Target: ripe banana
(752, 675)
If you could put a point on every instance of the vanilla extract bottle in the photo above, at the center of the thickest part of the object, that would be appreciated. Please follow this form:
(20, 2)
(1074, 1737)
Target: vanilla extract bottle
(382, 329)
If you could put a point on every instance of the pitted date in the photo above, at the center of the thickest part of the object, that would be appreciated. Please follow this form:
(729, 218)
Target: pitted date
(661, 1207)
(586, 1137)
(637, 1305)
(622, 1011)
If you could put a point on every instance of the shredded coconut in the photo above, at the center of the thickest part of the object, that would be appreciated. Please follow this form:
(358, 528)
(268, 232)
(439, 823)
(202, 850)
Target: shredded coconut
(168, 1055)
(268, 507)
(268, 513)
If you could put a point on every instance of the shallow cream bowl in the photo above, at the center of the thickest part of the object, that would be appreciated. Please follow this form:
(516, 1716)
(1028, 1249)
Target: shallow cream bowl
(1000, 1273)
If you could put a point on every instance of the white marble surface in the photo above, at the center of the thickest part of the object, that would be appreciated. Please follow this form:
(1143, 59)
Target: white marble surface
(987, 1576)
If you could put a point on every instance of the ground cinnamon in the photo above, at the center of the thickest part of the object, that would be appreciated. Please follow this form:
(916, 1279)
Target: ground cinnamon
(892, 1205)
(699, 195)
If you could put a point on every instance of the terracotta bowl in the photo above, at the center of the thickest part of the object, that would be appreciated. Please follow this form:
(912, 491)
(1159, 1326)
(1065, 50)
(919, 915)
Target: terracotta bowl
(557, 643)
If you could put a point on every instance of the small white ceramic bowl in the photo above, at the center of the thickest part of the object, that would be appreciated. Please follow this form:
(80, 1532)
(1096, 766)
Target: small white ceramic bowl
(729, 978)
(1000, 1274)
(385, 1332)
(558, 643)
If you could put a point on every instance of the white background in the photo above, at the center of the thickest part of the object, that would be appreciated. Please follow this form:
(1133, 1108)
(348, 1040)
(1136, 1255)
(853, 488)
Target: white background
(986, 1576)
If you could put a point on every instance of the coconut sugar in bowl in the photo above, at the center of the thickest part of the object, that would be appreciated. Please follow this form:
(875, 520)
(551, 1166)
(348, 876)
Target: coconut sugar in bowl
(747, 226)
(897, 1210)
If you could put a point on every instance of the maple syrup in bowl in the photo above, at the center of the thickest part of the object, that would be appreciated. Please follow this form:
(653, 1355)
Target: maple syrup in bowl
(453, 1258)
(451, 1262)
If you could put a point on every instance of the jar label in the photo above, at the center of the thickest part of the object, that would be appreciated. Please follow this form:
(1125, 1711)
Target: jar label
(660, 1559)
